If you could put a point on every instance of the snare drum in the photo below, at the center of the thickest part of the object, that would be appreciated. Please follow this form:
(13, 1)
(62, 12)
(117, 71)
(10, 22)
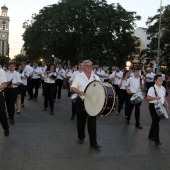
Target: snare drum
(99, 99)
(161, 110)
(137, 98)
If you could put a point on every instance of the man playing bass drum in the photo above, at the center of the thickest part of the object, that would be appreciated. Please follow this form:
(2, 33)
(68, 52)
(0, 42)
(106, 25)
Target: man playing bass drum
(78, 86)
(155, 94)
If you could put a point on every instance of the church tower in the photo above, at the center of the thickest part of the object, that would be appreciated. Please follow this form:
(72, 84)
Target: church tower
(4, 32)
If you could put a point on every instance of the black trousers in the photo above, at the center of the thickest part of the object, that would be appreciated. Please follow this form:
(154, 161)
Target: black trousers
(82, 116)
(58, 87)
(148, 85)
(123, 98)
(23, 93)
(49, 89)
(3, 117)
(68, 86)
(10, 98)
(34, 84)
(73, 101)
(29, 80)
(42, 84)
(130, 109)
(154, 130)
(116, 87)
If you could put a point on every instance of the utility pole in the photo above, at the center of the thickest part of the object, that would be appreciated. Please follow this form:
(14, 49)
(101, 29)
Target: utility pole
(159, 36)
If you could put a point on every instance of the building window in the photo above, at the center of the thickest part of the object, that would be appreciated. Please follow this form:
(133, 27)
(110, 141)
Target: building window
(148, 38)
(3, 25)
(148, 46)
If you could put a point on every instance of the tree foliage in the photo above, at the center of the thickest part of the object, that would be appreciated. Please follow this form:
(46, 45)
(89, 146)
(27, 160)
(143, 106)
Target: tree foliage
(4, 60)
(81, 29)
(19, 58)
(153, 30)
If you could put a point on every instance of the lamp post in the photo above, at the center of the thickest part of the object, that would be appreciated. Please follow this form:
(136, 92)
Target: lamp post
(159, 36)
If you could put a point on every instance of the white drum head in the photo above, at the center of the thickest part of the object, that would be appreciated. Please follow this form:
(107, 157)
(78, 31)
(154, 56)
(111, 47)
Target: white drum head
(94, 98)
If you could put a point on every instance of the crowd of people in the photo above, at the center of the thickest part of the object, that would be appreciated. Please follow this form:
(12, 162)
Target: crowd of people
(21, 79)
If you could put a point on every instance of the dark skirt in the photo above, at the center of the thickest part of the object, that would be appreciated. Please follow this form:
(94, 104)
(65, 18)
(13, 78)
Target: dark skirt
(19, 89)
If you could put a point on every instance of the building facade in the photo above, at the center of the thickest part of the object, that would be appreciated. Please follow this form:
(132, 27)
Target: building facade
(4, 32)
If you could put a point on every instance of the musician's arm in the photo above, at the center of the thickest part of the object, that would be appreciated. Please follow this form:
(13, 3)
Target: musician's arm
(166, 103)
(75, 90)
(3, 86)
(151, 95)
(127, 86)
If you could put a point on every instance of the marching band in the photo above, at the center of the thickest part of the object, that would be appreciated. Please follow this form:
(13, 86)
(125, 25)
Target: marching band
(128, 87)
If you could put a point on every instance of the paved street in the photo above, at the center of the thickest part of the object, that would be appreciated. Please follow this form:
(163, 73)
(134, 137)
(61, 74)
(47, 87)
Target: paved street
(40, 141)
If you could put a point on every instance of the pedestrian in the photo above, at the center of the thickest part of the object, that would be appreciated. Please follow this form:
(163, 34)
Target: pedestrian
(123, 96)
(3, 117)
(59, 81)
(14, 80)
(49, 77)
(74, 95)
(133, 85)
(79, 84)
(35, 81)
(18, 101)
(155, 94)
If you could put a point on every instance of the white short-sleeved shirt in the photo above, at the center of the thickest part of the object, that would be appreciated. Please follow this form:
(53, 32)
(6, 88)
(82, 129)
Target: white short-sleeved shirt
(43, 68)
(100, 72)
(74, 74)
(69, 74)
(47, 78)
(37, 74)
(28, 68)
(81, 81)
(61, 71)
(24, 79)
(2, 77)
(134, 84)
(14, 76)
(150, 75)
(161, 92)
(116, 80)
(123, 83)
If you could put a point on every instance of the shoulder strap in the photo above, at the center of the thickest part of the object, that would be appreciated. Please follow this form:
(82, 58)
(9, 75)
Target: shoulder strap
(155, 91)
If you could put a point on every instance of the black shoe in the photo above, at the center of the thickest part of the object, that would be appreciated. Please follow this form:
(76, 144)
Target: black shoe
(139, 126)
(12, 122)
(22, 105)
(30, 99)
(6, 132)
(97, 147)
(44, 109)
(151, 138)
(18, 113)
(35, 99)
(158, 143)
(127, 122)
(80, 141)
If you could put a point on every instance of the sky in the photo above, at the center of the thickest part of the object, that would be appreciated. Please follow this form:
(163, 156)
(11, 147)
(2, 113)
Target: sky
(21, 10)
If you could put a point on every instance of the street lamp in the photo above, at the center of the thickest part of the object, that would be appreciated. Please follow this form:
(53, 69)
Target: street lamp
(128, 64)
(159, 36)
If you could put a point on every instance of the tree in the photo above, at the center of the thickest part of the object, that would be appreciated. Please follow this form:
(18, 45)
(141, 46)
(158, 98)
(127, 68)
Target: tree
(4, 60)
(19, 58)
(153, 30)
(81, 29)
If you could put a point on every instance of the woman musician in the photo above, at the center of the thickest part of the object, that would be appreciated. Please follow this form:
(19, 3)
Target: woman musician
(122, 92)
(49, 77)
(156, 93)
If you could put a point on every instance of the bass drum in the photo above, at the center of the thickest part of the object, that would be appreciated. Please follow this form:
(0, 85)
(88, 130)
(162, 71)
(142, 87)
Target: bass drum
(99, 99)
